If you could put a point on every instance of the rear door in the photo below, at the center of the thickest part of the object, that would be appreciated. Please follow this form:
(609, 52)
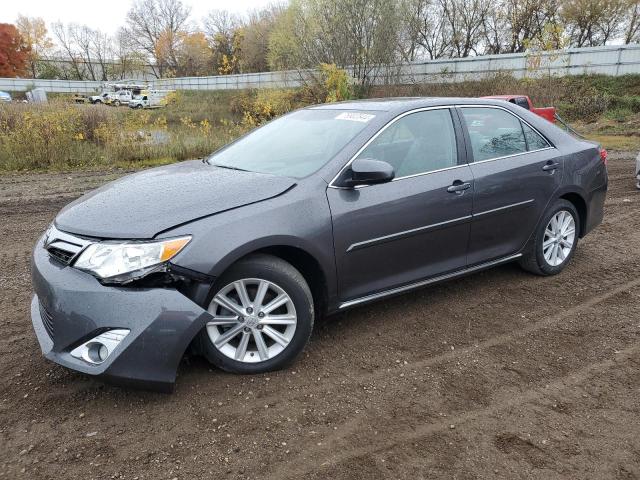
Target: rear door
(414, 227)
(516, 172)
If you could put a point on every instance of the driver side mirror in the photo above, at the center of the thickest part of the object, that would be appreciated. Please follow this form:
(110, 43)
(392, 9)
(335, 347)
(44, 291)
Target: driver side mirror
(367, 171)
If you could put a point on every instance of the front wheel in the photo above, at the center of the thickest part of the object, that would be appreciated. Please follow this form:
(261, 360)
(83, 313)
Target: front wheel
(262, 316)
(555, 240)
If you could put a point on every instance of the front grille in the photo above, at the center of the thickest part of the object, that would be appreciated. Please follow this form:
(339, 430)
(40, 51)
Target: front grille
(60, 254)
(62, 246)
(47, 320)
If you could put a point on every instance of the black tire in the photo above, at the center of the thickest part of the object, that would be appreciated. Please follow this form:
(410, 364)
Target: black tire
(284, 275)
(533, 259)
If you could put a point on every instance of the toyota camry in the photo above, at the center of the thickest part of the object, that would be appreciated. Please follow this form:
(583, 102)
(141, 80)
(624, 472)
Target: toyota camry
(326, 208)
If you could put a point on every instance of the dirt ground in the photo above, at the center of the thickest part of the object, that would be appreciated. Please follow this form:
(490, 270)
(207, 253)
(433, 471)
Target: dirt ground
(498, 375)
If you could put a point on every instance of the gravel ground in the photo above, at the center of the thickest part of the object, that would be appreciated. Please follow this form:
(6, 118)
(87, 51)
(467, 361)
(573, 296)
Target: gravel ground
(497, 375)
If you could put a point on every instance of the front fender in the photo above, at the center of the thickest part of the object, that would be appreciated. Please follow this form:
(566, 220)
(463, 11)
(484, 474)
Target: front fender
(300, 218)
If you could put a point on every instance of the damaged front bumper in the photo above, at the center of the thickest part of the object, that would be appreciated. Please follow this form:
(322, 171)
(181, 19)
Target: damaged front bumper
(71, 307)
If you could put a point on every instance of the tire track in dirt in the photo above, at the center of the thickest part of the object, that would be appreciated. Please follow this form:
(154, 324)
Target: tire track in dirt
(505, 402)
(451, 355)
(351, 427)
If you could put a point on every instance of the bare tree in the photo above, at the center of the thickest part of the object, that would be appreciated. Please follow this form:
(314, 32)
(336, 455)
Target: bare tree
(154, 26)
(632, 23)
(128, 60)
(430, 32)
(221, 23)
(591, 23)
(223, 32)
(358, 34)
(465, 19)
(510, 26)
(68, 51)
(81, 37)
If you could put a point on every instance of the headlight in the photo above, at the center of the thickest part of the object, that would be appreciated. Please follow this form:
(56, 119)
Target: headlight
(109, 259)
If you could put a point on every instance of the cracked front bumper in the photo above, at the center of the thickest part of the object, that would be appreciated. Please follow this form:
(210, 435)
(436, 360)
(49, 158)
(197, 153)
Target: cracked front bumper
(70, 307)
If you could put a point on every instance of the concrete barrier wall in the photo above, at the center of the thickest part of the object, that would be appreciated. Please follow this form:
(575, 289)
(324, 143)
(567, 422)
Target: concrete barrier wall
(609, 60)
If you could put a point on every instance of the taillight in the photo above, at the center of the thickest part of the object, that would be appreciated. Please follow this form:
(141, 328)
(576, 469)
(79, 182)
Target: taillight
(603, 156)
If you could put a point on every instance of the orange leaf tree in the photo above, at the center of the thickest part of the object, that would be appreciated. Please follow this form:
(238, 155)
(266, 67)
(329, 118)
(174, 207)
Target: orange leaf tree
(14, 52)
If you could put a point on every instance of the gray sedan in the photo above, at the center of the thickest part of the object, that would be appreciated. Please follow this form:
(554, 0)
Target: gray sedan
(321, 210)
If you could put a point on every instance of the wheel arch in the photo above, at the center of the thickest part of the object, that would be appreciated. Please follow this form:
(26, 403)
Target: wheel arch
(307, 263)
(580, 203)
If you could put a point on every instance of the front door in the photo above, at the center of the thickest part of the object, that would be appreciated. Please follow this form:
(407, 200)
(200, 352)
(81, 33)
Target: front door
(414, 227)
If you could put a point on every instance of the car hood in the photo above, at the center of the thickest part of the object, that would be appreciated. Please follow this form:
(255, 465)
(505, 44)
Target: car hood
(146, 203)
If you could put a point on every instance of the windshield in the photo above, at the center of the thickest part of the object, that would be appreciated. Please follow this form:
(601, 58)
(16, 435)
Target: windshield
(295, 145)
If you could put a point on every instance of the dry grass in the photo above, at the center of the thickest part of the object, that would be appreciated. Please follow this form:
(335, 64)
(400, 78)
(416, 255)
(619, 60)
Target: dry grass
(617, 142)
(62, 135)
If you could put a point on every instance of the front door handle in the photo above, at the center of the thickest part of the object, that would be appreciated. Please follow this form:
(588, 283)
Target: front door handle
(550, 167)
(458, 187)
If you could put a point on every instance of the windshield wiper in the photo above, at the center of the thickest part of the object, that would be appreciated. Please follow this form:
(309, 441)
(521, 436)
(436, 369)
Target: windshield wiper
(229, 167)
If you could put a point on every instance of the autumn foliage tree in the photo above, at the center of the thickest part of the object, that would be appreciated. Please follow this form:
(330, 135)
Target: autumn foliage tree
(34, 32)
(14, 52)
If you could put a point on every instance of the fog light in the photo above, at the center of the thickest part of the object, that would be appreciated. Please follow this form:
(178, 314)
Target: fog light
(98, 349)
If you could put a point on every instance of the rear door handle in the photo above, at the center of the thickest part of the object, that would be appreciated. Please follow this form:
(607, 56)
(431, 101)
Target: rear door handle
(550, 167)
(458, 187)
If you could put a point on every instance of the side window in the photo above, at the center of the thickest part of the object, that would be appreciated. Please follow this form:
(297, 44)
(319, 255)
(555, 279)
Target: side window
(493, 133)
(417, 143)
(534, 140)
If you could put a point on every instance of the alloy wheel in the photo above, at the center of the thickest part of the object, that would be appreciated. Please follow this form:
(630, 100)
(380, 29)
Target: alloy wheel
(559, 237)
(253, 320)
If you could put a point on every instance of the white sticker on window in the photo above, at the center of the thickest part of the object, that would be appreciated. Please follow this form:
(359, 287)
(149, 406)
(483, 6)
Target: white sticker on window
(355, 116)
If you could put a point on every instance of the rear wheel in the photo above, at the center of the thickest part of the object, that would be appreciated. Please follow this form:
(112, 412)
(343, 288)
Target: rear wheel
(555, 240)
(262, 312)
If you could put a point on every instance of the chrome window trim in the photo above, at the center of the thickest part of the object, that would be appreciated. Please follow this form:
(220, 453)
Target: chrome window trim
(438, 107)
(510, 156)
(379, 132)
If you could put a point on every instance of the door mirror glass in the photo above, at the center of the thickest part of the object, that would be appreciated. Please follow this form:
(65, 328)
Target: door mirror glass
(367, 171)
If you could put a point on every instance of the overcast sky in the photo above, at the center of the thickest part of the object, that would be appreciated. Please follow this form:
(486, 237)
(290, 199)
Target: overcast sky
(107, 15)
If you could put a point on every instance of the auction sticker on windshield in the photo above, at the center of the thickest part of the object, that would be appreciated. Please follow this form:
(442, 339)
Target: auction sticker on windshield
(355, 116)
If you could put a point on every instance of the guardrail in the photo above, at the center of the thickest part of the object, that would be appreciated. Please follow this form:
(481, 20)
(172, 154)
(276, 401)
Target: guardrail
(608, 60)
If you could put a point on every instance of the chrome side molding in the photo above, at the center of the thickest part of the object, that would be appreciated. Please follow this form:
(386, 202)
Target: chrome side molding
(429, 281)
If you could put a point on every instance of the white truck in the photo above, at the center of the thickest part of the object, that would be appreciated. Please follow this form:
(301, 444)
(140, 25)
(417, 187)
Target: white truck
(99, 99)
(149, 99)
(121, 97)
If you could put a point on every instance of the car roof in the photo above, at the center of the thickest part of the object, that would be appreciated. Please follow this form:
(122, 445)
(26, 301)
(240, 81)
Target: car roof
(504, 97)
(400, 104)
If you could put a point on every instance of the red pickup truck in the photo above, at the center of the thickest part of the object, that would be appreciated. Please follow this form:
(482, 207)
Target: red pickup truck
(548, 113)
